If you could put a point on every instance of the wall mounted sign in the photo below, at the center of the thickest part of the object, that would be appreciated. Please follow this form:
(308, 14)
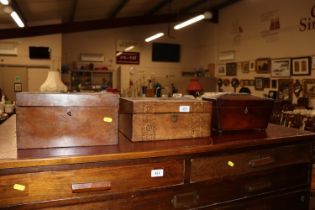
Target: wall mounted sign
(271, 21)
(127, 52)
(128, 58)
(308, 23)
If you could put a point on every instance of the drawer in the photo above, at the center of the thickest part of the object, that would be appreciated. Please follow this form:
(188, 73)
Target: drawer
(288, 201)
(53, 185)
(118, 204)
(205, 168)
(213, 192)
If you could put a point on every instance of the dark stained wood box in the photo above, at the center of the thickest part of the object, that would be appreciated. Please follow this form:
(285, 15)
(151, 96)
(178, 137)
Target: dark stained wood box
(46, 120)
(235, 112)
(147, 119)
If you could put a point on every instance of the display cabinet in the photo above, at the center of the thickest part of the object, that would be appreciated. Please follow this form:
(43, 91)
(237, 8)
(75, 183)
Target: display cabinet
(94, 80)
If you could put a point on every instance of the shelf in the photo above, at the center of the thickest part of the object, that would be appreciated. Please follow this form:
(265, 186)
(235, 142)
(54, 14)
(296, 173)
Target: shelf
(85, 79)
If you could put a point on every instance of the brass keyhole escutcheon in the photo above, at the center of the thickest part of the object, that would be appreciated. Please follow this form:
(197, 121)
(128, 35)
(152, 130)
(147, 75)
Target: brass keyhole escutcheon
(246, 110)
(174, 118)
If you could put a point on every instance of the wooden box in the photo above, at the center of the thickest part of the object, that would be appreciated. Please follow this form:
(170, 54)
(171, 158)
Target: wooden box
(47, 120)
(146, 119)
(234, 112)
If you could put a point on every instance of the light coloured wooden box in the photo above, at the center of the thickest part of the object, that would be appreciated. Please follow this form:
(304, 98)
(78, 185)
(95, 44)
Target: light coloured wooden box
(147, 119)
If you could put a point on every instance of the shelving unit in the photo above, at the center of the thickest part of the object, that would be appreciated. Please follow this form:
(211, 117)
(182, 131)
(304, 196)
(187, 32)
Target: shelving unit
(87, 79)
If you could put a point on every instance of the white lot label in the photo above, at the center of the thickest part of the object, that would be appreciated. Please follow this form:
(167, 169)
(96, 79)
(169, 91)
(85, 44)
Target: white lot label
(157, 173)
(184, 108)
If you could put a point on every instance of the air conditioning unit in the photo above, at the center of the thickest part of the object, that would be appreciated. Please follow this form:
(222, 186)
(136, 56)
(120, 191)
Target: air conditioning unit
(8, 48)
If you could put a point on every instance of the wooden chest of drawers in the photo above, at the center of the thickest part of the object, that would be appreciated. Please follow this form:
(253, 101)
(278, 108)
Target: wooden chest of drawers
(254, 172)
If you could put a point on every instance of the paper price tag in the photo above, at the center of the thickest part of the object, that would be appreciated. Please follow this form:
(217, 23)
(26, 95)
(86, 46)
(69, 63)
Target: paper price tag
(184, 108)
(108, 119)
(19, 187)
(230, 163)
(157, 173)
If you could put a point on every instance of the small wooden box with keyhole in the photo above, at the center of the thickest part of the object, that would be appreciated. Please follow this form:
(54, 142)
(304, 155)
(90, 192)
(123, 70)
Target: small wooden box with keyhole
(46, 120)
(148, 119)
(234, 112)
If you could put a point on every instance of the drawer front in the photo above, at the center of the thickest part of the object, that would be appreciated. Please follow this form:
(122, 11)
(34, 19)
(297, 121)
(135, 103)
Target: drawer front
(210, 193)
(205, 168)
(289, 201)
(54, 185)
(119, 204)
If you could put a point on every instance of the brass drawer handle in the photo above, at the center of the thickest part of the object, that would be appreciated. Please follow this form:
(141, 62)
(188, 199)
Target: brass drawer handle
(258, 186)
(90, 187)
(261, 161)
(185, 200)
(264, 207)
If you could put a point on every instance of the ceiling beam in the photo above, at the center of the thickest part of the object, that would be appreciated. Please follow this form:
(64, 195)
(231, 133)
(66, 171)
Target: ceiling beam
(88, 25)
(215, 10)
(119, 7)
(225, 4)
(192, 6)
(159, 6)
(73, 9)
(17, 9)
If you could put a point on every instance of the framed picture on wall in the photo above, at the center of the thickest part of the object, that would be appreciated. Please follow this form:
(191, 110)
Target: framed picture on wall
(245, 67)
(17, 87)
(221, 70)
(252, 65)
(259, 83)
(263, 65)
(309, 87)
(281, 67)
(285, 87)
(301, 66)
(274, 83)
(231, 69)
(313, 62)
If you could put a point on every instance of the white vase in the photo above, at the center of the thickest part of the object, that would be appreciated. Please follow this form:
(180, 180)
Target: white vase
(53, 83)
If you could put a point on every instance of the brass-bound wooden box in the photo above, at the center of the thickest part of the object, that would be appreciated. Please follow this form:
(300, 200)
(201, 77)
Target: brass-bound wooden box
(147, 119)
(47, 120)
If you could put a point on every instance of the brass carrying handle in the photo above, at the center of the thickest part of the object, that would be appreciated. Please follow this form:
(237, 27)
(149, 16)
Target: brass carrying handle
(258, 186)
(185, 200)
(263, 161)
(90, 187)
(264, 207)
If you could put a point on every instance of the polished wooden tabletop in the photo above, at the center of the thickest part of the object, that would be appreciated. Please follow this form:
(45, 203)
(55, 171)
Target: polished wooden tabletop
(126, 149)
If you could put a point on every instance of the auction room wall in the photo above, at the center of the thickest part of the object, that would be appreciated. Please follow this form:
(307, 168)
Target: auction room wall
(32, 72)
(104, 42)
(244, 29)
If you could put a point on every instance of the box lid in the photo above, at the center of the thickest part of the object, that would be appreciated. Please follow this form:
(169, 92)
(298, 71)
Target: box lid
(239, 99)
(67, 99)
(163, 105)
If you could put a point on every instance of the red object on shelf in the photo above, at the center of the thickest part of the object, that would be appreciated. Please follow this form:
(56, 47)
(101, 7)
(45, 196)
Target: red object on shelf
(194, 87)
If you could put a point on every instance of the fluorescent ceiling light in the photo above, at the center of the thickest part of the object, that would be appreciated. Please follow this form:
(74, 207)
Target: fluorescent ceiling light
(17, 19)
(206, 15)
(155, 36)
(119, 53)
(4, 2)
(129, 48)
